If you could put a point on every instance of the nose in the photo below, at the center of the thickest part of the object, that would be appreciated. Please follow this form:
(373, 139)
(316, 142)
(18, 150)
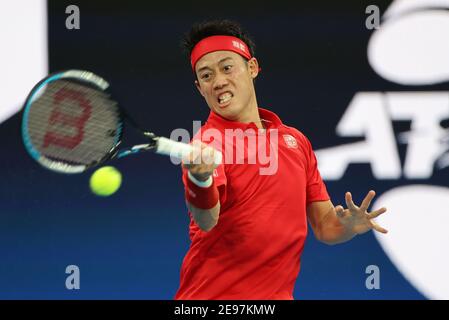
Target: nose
(220, 81)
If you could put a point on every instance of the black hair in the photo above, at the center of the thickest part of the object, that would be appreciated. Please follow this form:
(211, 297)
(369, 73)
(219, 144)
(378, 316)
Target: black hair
(205, 29)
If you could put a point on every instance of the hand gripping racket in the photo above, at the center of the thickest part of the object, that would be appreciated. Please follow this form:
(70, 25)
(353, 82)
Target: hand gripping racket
(71, 123)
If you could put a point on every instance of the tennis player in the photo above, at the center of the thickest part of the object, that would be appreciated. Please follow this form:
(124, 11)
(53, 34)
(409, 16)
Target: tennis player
(248, 226)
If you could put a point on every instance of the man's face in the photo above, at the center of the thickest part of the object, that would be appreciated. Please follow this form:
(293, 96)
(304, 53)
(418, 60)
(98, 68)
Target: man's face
(225, 80)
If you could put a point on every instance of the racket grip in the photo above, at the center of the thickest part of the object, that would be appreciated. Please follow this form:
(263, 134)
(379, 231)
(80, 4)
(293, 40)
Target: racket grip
(176, 149)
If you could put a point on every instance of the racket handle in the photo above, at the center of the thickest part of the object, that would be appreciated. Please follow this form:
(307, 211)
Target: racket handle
(176, 149)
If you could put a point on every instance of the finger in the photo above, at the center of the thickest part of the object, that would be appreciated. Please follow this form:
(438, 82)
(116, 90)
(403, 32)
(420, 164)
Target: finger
(341, 212)
(349, 203)
(197, 143)
(378, 228)
(187, 160)
(208, 156)
(195, 154)
(204, 145)
(367, 201)
(377, 213)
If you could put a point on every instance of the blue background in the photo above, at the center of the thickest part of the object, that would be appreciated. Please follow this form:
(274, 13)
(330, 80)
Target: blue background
(131, 245)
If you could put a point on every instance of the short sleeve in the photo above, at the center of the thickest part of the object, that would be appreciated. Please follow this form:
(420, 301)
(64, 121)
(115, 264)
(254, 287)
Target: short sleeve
(316, 189)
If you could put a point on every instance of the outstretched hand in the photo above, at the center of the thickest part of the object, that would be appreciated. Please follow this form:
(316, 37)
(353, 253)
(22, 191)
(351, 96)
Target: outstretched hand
(357, 219)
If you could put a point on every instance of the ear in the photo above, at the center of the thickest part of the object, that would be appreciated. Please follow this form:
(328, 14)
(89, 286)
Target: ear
(197, 84)
(253, 66)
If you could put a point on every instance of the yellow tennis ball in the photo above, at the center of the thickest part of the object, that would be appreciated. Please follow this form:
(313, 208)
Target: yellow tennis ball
(105, 181)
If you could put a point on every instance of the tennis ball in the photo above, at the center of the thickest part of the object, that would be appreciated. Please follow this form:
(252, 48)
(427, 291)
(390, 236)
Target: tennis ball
(105, 181)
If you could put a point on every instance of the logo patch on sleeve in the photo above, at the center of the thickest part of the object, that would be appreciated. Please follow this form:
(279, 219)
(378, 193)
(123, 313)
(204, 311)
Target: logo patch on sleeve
(290, 141)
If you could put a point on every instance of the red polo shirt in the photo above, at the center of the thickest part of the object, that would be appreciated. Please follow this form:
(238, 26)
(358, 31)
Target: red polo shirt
(266, 181)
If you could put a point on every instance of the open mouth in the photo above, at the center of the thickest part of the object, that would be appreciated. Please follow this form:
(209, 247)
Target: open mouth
(225, 98)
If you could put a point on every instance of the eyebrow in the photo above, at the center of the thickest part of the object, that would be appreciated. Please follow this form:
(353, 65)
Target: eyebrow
(207, 67)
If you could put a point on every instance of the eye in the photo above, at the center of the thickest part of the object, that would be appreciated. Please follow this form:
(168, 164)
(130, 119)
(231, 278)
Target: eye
(227, 68)
(205, 76)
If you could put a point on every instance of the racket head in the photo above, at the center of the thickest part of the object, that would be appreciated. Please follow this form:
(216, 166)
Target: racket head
(70, 122)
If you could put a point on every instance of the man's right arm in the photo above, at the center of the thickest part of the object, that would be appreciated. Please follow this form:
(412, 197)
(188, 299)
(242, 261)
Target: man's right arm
(202, 196)
(206, 219)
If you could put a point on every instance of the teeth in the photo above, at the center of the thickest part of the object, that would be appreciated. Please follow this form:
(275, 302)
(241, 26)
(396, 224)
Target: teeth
(225, 97)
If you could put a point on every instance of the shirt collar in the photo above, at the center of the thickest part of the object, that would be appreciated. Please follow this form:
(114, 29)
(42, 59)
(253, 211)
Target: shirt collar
(270, 119)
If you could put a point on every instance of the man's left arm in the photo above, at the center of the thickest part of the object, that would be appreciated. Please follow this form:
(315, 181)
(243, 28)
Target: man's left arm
(333, 225)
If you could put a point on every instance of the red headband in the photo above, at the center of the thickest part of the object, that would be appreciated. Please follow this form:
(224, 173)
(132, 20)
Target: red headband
(218, 43)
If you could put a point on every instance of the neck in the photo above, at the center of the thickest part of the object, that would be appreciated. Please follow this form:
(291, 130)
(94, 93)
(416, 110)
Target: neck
(251, 114)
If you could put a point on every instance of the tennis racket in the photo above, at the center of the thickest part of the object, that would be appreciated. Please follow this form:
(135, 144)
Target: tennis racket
(72, 123)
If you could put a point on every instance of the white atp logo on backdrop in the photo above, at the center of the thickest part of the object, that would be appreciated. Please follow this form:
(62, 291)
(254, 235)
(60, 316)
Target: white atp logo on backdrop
(410, 48)
(24, 56)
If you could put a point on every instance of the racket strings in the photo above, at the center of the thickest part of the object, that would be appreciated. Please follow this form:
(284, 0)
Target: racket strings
(73, 123)
(41, 112)
(46, 100)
